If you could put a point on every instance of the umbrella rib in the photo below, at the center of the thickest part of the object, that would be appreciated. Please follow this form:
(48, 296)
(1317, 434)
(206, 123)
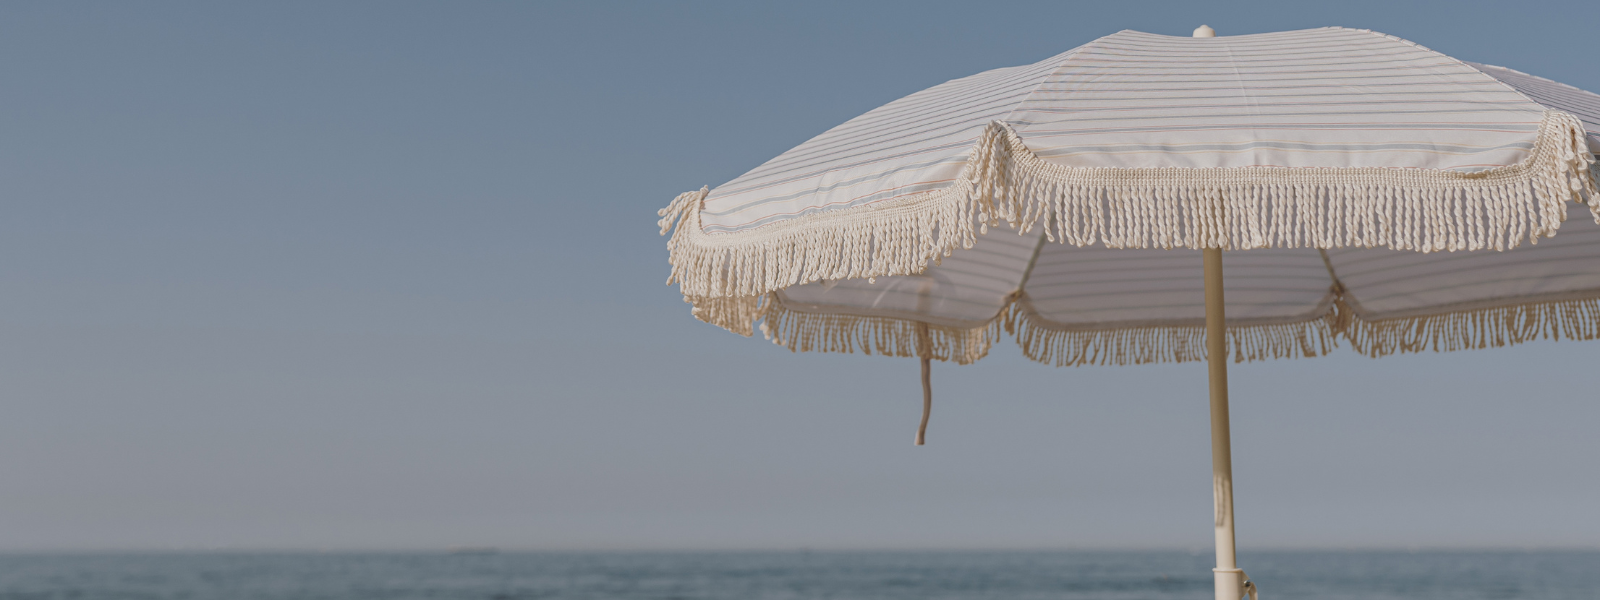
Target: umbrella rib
(1338, 286)
(1038, 248)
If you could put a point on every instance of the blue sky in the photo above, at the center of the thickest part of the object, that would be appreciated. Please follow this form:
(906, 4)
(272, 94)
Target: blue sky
(380, 275)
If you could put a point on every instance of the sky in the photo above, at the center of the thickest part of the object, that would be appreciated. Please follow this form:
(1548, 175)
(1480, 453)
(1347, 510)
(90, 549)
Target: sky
(386, 276)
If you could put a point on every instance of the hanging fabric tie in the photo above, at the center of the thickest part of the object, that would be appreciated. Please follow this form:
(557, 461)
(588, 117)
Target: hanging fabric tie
(924, 351)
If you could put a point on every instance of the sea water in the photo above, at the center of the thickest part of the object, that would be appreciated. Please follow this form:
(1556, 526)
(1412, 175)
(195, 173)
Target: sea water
(1066, 575)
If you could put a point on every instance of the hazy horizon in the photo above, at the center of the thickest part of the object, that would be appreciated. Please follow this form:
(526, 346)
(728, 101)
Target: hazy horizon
(490, 550)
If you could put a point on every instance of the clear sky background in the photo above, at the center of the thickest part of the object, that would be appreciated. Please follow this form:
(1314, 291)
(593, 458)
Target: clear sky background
(386, 276)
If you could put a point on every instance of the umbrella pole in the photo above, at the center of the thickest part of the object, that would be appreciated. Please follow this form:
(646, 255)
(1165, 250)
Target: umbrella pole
(1229, 579)
(1231, 582)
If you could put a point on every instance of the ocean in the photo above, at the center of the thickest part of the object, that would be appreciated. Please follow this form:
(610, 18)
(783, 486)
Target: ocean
(798, 575)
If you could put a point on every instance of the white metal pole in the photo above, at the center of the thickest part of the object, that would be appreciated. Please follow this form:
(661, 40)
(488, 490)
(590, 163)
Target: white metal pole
(1230, 580)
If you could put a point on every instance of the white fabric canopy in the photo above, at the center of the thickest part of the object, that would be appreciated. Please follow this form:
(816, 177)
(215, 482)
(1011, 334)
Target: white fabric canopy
(1065, 202)
(1320, 98)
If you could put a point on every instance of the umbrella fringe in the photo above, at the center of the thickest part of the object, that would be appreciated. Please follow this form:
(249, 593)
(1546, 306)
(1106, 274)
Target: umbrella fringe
(1231, 208)
(895, 237)
(1277, 207)
(821, 332)
(733, 314)
(1577, 319)
(1060, 345)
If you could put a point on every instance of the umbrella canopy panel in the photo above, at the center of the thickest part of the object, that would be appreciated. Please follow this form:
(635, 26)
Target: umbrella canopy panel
(1328, 97)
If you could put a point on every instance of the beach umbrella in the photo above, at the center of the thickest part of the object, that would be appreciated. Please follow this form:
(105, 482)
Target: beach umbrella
(1361, 189)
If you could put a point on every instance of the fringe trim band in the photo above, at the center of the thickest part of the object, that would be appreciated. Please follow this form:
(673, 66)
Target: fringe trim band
(820, 332)
(1053, 344)
(1230, 208)
(1473, 329)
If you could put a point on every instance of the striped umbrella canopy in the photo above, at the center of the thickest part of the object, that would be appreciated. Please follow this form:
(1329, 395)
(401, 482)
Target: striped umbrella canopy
(1362, 190)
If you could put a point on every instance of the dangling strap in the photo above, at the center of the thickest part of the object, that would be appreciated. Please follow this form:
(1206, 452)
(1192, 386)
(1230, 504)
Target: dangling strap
(924, 349)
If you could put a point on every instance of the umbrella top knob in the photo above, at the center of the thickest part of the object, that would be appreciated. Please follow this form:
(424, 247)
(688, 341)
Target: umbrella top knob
(1205, 31)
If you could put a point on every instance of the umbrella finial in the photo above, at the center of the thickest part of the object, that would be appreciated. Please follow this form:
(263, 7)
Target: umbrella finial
(1205, 31)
